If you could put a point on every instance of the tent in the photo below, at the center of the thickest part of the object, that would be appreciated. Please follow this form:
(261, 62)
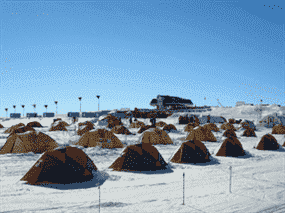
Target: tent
(103, 122)
(248, 124)
(203, 119)
(249, 133)
(136, 124)
(226, 126)
(86, 123)
(169, 128)
(267, 142)
(271, 120)
(121, 130)
(232, 121)
(112, 121)
(155, 136)
(144, 128)
(31, 141)
(60, 122)
(58, 126)
(93, 121)
(229, 133)
(231, 147)
(201, 134)
(34, 124)
(61, 166)
(191, 152)
(1, 126)
(23, 129)
(217, 119)
(139, 157)
(223, 120)
(160, 124)
(86, 128)
(211, 127)
(189, 126)
(100, 137)
(12, 128)
(185, 119)
(211, 119)
(63, 122)
(279, 129)
(57, 119)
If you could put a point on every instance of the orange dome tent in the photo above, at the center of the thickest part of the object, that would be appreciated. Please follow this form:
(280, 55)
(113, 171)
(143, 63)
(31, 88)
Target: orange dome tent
(267, 142)
(201, 134)
(139, 157)
(249, 133)
(155, 136)
(229, 133)
(100, 137)
(61, 166)
(58, 126)
(191, 152)
(14, 127)
(86, 128)
(169, 128)
(278, 129)
(34, 124)
(136, 124)
(121, 130)
(160, 124)
(231, 147)
(32, 141)
(226, 126)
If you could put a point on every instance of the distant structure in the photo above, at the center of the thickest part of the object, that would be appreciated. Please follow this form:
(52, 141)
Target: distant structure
(15, 115)
(31, 115)
(163, 102)
(125, 109)
(242, 103)
(73, 114)
(48, 114)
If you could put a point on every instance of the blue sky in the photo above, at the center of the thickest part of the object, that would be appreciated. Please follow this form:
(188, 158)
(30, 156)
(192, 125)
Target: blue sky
(130, 51)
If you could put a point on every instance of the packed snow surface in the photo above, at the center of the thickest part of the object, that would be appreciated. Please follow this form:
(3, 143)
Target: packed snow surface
(257, 181)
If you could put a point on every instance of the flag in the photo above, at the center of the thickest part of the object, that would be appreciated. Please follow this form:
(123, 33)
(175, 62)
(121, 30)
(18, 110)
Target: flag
(205, 98)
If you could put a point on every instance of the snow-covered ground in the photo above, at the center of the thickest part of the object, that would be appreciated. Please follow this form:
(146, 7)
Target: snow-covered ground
(257, 184)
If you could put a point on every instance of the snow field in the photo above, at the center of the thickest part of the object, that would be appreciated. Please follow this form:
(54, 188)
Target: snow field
(258, 179)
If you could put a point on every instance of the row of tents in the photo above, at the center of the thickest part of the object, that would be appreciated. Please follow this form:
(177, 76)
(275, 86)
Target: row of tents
(73, 165)
(204, 133)
(23, 138)
(268, 121)
(116, 126)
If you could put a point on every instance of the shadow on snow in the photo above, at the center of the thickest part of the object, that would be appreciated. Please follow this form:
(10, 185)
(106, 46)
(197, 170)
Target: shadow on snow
(162, 171)
(99, 177)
